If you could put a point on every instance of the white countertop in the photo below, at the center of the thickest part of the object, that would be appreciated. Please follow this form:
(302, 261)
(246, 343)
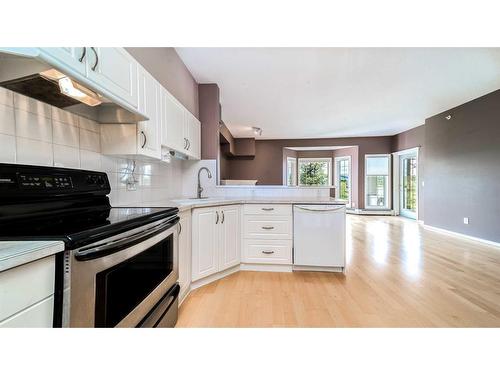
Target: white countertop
(188, 204)
(16, 253)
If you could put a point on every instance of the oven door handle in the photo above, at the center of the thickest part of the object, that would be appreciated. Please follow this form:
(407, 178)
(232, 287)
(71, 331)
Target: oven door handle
(122, 243)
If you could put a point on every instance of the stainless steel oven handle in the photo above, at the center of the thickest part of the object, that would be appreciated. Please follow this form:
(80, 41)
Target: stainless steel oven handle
(113, 246)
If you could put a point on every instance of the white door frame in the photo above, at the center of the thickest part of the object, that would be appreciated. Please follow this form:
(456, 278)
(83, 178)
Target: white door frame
(396, 182)
(336, 177)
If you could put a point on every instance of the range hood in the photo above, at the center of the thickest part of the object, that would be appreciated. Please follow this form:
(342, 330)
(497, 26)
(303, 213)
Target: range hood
(40, 81)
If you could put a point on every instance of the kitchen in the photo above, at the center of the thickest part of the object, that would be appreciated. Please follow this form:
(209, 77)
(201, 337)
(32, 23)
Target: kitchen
(127, 201)
(96, 223)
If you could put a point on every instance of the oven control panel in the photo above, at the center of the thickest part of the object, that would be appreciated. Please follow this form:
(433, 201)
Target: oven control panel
(45, 182)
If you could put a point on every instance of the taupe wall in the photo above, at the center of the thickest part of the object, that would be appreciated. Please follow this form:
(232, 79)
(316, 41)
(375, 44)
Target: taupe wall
(167, 67)
(410, 139)
(462, 168)
(267, 166)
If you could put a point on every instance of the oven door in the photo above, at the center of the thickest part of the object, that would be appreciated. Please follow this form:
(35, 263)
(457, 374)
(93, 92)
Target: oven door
(117, 282)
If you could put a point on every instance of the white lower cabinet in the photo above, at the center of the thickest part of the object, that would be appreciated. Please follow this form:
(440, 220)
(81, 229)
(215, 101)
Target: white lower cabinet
(184, 253)
(267, 233)
(216, 240)
(26, 294)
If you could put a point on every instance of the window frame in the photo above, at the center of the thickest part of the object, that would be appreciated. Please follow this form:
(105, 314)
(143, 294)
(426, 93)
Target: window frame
(309, 160)
(388, 186)
(337, 159)
(291, 158)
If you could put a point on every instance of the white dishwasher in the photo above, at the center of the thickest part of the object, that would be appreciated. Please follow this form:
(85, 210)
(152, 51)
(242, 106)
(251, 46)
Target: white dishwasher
(319, 237)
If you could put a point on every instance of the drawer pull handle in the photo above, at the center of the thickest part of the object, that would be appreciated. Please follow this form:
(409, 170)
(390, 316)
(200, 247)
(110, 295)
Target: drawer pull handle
(267, 252)
(268, 228)
(268, 209)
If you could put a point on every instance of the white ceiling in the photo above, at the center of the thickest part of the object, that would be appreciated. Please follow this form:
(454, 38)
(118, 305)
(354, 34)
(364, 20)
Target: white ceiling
(340, 92)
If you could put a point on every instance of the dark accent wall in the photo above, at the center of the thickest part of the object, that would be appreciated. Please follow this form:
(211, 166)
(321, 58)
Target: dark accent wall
(462, 168)
(209, 109)
(410, 139)
(267, 165)
(167, 67)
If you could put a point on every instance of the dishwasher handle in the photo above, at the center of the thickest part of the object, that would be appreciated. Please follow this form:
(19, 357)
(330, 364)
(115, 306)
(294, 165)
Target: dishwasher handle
(322, 209)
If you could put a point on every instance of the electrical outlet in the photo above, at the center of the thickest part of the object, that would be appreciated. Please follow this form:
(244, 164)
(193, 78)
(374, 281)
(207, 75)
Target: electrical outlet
(466, 220)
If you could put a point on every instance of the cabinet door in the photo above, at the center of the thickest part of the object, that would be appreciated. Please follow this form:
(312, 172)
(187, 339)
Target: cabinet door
(115, 70)
(71, 58)
(204, 242)
(148, 132)
(193, 136)
(230, 237)
(185, 253)
(173, 123)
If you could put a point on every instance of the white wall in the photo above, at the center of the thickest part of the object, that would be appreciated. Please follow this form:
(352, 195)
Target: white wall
(32, 132)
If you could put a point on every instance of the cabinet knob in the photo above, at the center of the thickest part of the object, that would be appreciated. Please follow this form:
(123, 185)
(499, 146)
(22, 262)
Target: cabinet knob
(267, 252)
(267, 209)
(267, 228)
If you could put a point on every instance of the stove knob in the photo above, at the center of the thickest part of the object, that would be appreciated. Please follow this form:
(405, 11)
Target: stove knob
(100, 180)
(90, 180)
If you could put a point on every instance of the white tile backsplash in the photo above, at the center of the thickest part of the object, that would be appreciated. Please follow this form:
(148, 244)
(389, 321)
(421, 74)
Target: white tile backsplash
(90, 160)
(7, 120)
(90, 141)
(90, 125)
(7, 148)
(31, 105)
(65, 156)
(31, 151)
(65, 134)
(63, 116)
(33, 126)
(6, 97)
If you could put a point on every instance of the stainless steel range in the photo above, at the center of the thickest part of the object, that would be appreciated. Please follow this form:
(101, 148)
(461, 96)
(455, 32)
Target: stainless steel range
(120, 264)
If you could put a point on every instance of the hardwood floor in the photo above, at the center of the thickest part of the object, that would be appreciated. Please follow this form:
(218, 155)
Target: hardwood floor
(398, 275)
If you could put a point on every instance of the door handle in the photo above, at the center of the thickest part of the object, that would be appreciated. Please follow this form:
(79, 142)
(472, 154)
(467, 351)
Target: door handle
(185, 143)
(180, 228)
(84, 52)
(267, 252)
(267, 228)
(222, 222)
(217, 220)
(189, 144)
(145, 139)
(96, 59)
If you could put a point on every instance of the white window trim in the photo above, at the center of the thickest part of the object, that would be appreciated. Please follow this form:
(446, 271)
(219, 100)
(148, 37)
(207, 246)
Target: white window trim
(296, 171)
(337, 182)
(396, 183)
(308, 160)
(389, 181)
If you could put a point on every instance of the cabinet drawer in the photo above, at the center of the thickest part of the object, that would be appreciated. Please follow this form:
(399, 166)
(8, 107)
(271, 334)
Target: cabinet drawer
(40, 315)
(268, 251)
(26, 285)
(268, 227)
(268, 209)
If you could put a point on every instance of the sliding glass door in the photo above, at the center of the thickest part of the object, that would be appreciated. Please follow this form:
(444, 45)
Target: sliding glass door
(408, 183)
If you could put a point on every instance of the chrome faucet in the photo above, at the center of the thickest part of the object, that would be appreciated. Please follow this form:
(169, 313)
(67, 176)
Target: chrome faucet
(200, 189)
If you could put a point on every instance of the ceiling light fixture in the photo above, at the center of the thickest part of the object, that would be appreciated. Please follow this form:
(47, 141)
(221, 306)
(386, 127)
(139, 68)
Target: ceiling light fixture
(448, 117)
(256, 130)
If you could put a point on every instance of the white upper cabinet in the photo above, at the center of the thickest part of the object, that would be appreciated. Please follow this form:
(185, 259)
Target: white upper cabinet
(149, 132)
(192, 130)
(173, 114)
(73, 58)
(114, 69)
(180, 129)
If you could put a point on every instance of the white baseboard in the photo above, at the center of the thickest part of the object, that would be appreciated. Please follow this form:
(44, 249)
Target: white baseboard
(210, 279)
(462, 236)
(266, 267)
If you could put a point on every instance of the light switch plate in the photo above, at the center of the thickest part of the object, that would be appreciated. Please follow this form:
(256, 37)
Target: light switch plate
(466, 220)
